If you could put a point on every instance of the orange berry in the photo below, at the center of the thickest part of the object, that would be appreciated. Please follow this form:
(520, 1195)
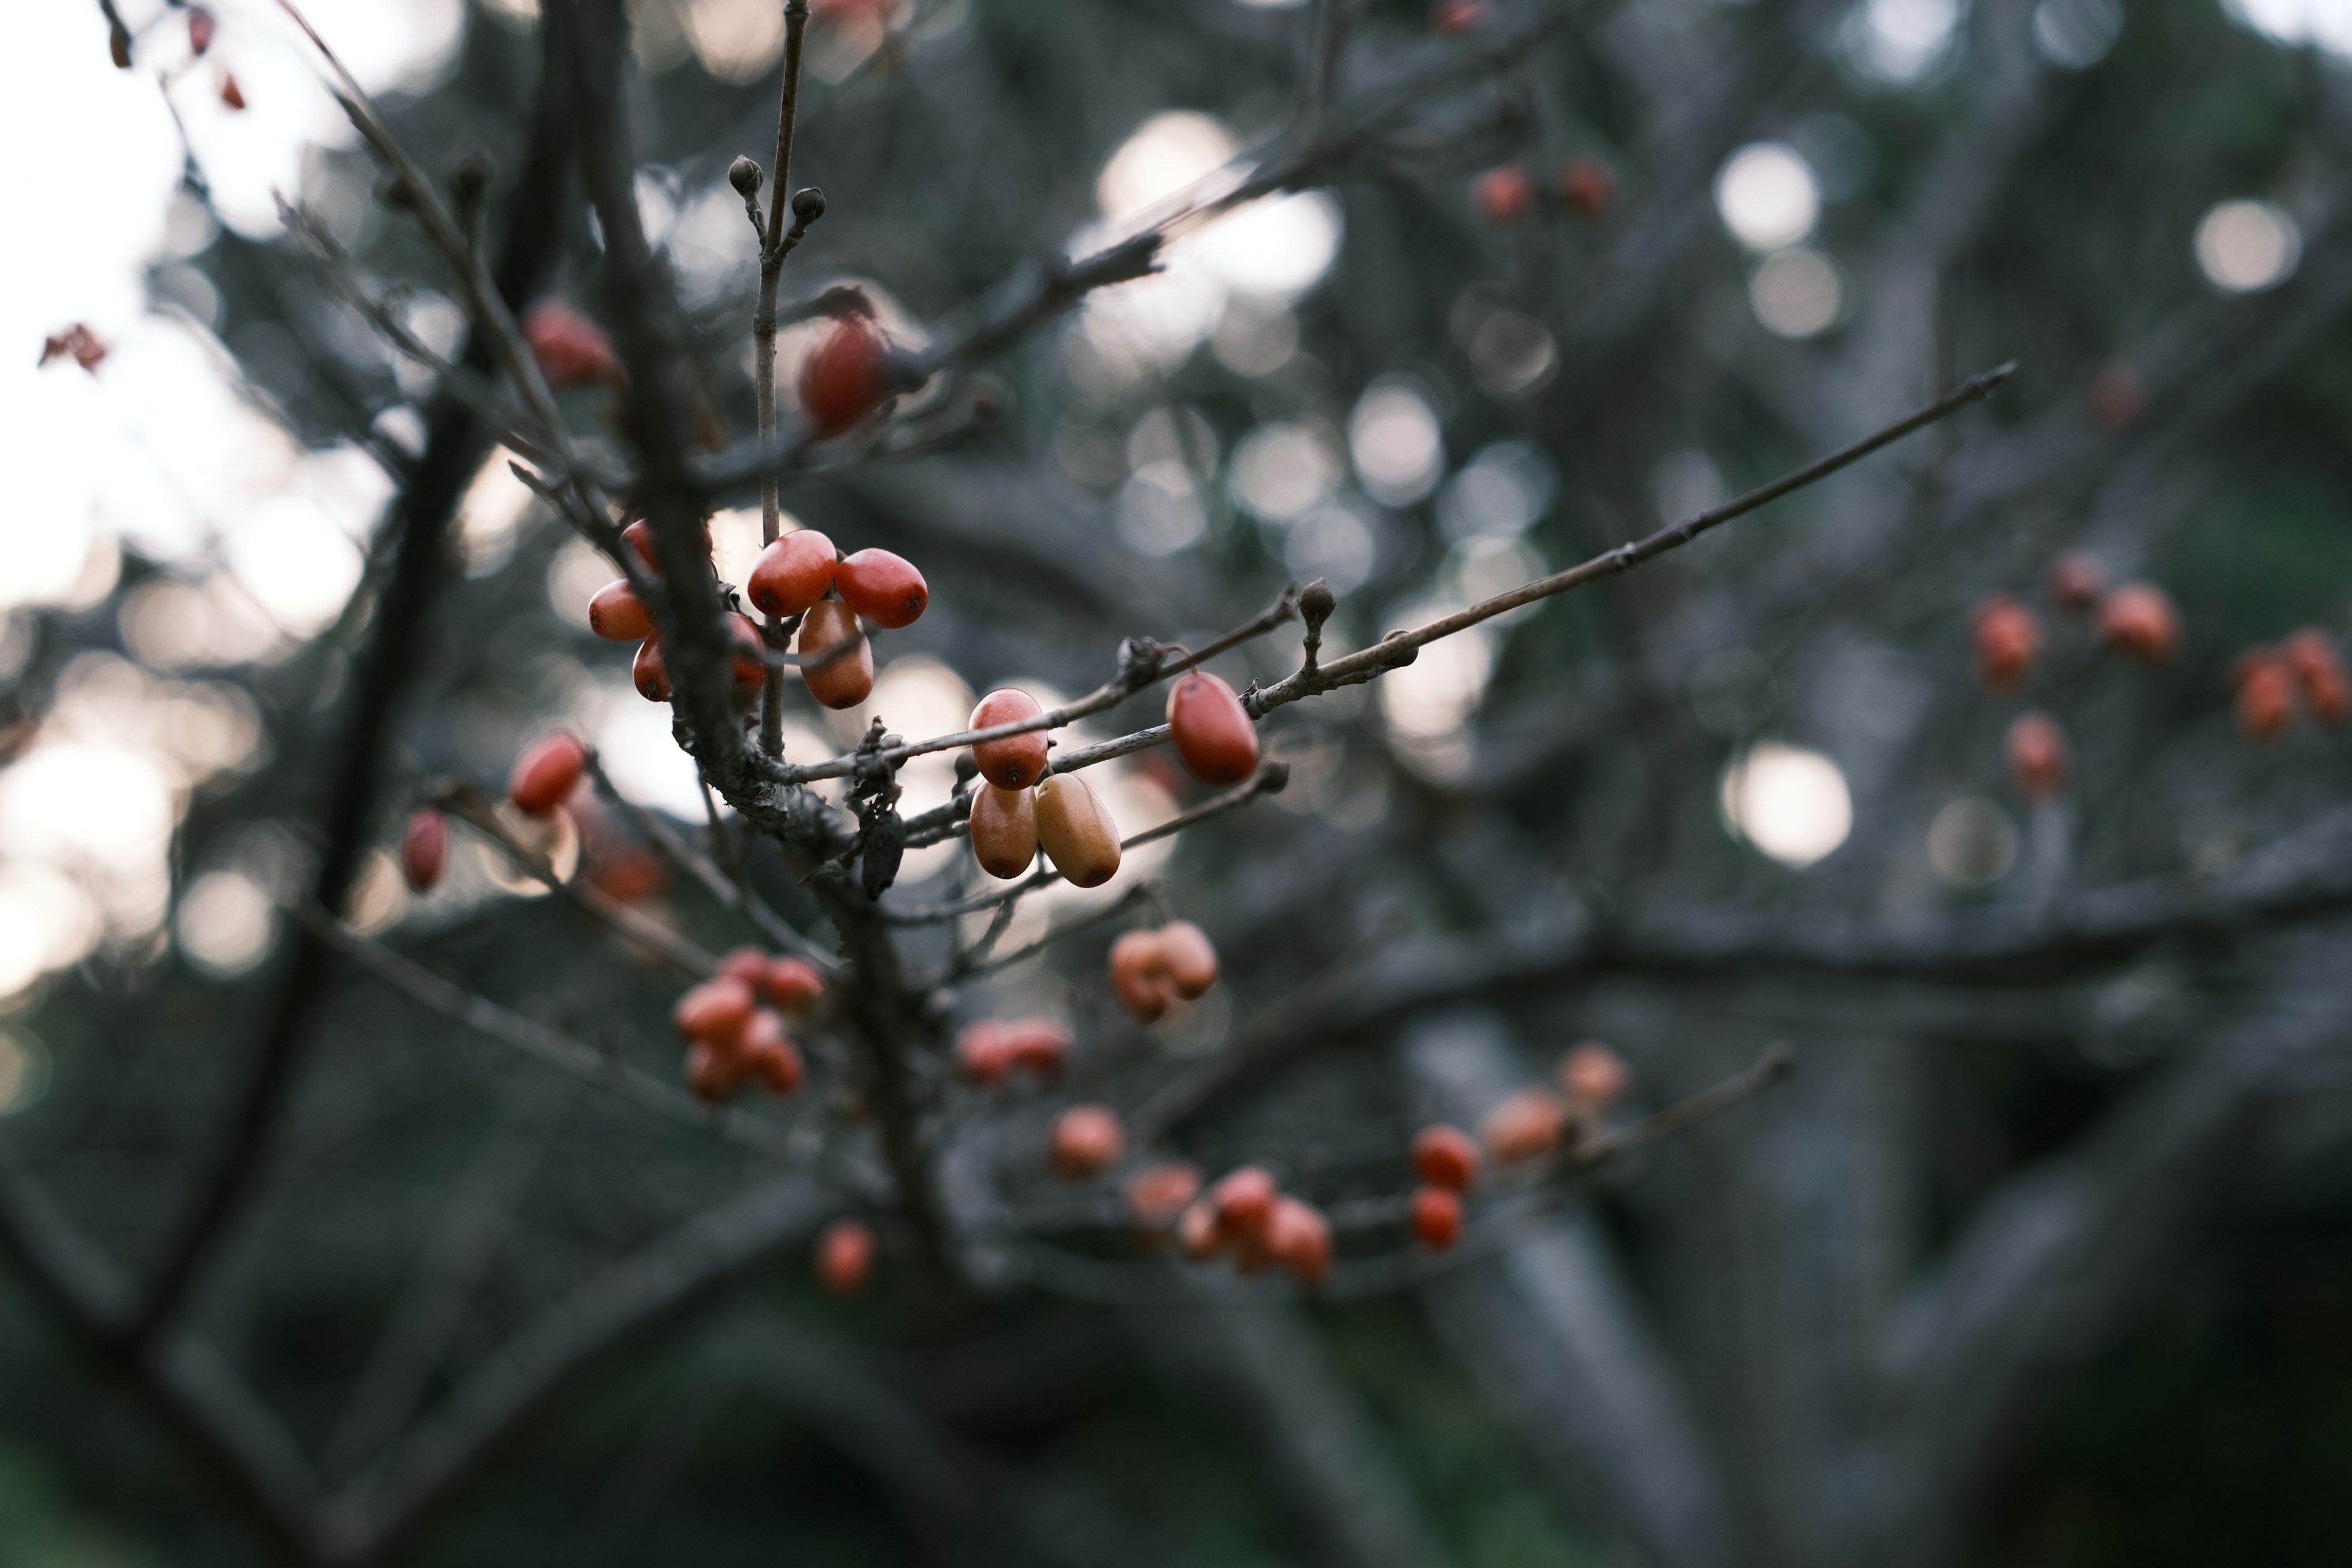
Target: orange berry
(1437, 1218)
(2138, 618)
(884, 588)
(1587, 187)
(1593, 1077)
(1076, 832)
(424, 848)
(650, 672)
(1189, 959)
(844, 1257)
(572, 351)
(618, 615)
(789, 982)
(836, 660)
(1526, 1126)
(1016, 762)
(1158, 1194)
(2037, 756)
(2265, 695)
(2007, 638)
(1445, 1157)
(2076, 581)
(546, 774)
(1244, 1200)
(1004, 830)
(1299, 1238)
(793, 574)
(2320, 674)
(715, 1011)
(1212, 730)
(1087, 1141)
(842, 379)
(1139, 974)
(1504, 195)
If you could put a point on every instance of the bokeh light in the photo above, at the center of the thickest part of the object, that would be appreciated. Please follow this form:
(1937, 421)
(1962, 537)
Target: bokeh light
(2243, 245)
(1790, 803)
(1766, 196)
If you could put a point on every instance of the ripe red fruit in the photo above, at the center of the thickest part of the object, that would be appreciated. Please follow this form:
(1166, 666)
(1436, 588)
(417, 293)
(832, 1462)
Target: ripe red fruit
(1299, 1238)
(1587, 187)
(1039, 1045)
(2265, 695)
(844, 1257)
(748, 965)
(717, 1010)
(2076, 581)
(1139, 974)
(571, 350)
(1188, 959)
(2007, 638)
(1504, 195)
(231, 95)
(1199, 1236)
(713, 1072)
(1016, 762)
(1076, 830)
(2320, 674)
(1158, 1194)
(789, 983)
(1453, 17)
(768, 1055)
(1593, 1077)
(424, 848)
(1087, 1141)
(1213, 731)
(650, 673)
(2138, 618)
(884, 588)
(836, 660)
(1004, 830)
(1445, 1157)
(793, 574)
(2117, 398)
(639, 536)
(842, 379)
(1526, 1126)
(1244, 1200)
(984, 1053)
(2037, 756)
(547, 774)
(1437, 1218)
(617, 613)
(750, 667)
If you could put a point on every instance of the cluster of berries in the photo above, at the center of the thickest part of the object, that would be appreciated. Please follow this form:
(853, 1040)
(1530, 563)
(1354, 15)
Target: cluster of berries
(2272, 682)
(733, 1024)
(1506, 196)
(1524, 1127)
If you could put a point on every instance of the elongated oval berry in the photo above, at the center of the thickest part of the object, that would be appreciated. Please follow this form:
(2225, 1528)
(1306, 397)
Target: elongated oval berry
(1437, 1218)
(789, 982)
(712, 1071)
(2138, 618)
(1299, 1238)
(768, 1055)
(717, 1010)
(836, 660)
(1158, 1194)
(650, 673)
(617, 615)
(1190, 961)
(844, 1257)
(1076, 831)
(639, 536)
(1525, 1125)
(748, 965)
(842, 379)
(2008, 639)
(1040, 1045)
(1004, 830)
(1593, 1077)
(1214, 735)
(1443, 1156)
(793, 574)
(884, 588)
(1016, 762)
(572, 351)
(1087, 1141)
(424, 848)
(545, 775)
(1139, 974)
(2037, 756)
(1244, 1200)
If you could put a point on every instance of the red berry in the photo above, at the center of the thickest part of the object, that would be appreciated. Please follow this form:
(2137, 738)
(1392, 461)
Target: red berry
(1158, 1194)
(650, 673)
(1004, 830)
(1039, 1045)
(2320, 674)
(789, 982)
(749, 665)
(1452, 17)
(1504, 195)
(1299, 1238)
(200, 29)
(748, 965)
(617, 613)
(1199, 1234)
(836, 660)
(884, 588)
(424, 848)
(768, 1055)
(2076, 581)
(713, 1071)
(2265, 695)
(639, 536)
(1213, 731)
(2037, 756)
(2138, 618)
(715, 1010)
(2007, 638)
(793, 574)
(1526, 1126)
(1244, 1200)
(571, 350)
(1087, 1141)
(1587, 187)
(844, 1257)
(984, 1053)
(546, 774)
(842, 379)
(1188, 957)
(1140, 976)
(1445, 1157)
(1437, 1218)
(1593, 1077)
(1015, 762)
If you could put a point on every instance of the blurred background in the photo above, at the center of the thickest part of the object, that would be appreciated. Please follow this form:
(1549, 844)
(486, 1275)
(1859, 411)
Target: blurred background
(2041, 1257)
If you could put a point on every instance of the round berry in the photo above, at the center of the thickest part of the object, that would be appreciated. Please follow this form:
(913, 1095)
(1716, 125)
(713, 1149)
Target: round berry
(1015, 762)
(572, 351)
(1526, 1126)
(844, 1257)
(2037, 756)
(1299, 1238)
(2008, 639)
(793, 574)
(884, 588)
(1087, 1141)
(1139, 974)
(1504, 195)
(1244, 1200)
(2139, 619)
(717, 1010)
(1188, 958)
(1445, 1157)
(1437, 1218)
(617, 613)
(1593, 1077)
(1158, 1194)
